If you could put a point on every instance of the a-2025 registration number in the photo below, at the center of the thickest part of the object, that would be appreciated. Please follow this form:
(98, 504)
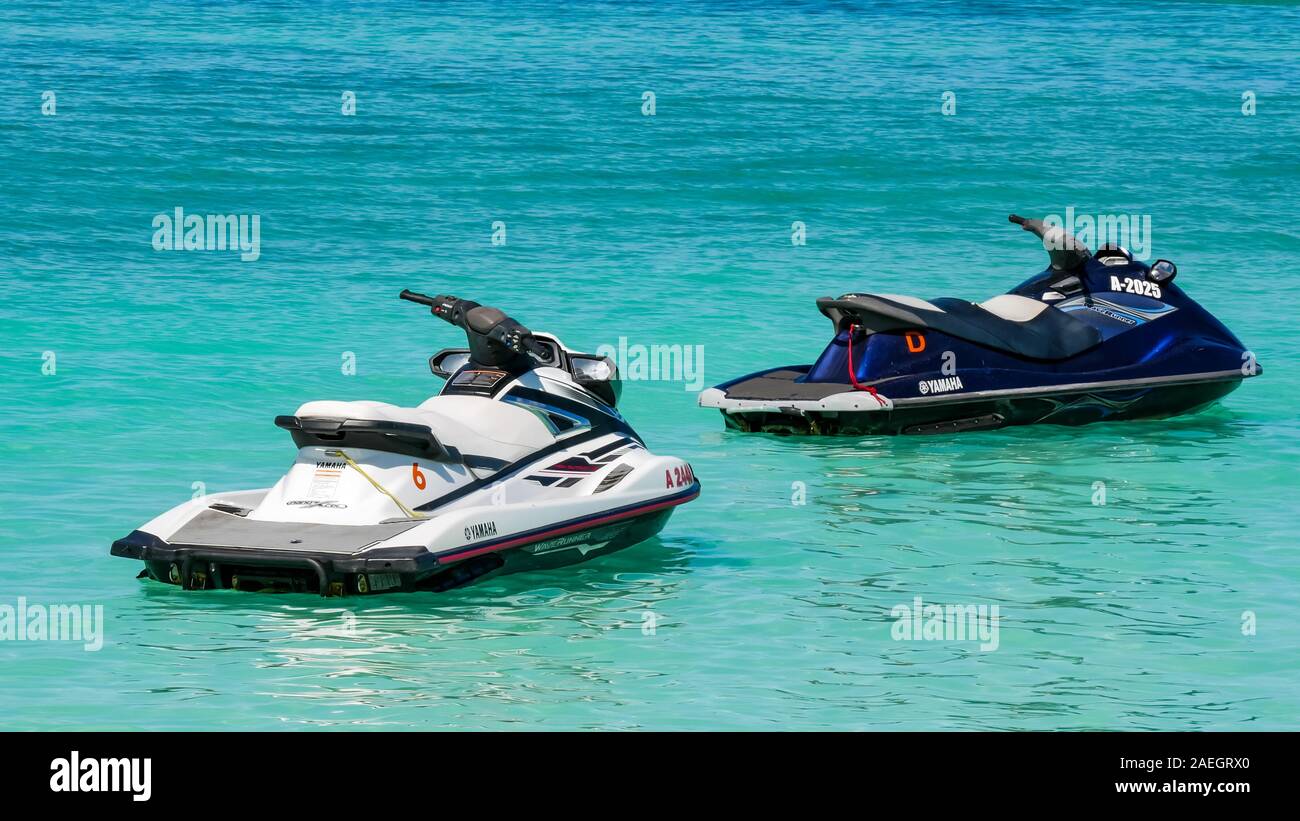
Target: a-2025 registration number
(1128, 285)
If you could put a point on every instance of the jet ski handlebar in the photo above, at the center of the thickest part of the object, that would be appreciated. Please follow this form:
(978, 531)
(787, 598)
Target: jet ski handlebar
(440, 305)
(480, 322)
(1064, 249)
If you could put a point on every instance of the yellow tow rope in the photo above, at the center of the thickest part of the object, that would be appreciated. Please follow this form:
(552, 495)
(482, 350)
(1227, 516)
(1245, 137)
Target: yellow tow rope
(410, 514)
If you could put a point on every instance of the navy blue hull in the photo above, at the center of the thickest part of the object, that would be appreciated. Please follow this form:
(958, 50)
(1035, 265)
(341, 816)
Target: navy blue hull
(1064, 408)
(1103, 342)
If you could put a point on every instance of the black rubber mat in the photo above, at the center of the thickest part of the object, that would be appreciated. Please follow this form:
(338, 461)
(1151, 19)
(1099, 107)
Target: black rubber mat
(212, 528)
(778, 385)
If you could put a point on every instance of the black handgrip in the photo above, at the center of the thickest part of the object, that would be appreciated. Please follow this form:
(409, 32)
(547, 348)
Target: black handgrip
(412, 296)
(1064, 249)
(1037, 227)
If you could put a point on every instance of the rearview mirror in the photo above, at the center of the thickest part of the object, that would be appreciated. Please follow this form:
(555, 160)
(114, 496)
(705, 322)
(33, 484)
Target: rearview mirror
(597, 374)
(447, 361)
(592, 369)
(1163, 272)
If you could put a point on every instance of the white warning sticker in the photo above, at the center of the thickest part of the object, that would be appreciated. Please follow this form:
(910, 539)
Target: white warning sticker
(325, 480)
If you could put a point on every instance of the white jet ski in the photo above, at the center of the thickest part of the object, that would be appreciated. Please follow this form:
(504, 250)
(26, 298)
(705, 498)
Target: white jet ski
(520, 461)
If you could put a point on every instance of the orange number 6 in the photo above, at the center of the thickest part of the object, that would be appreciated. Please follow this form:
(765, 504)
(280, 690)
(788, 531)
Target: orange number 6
(417, 476)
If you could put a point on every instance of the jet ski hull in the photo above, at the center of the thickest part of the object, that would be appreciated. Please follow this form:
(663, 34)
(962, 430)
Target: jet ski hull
(323, 561)
(1096, 402)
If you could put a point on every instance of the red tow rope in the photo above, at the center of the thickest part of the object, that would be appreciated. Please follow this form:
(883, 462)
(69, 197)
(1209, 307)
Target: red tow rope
(853, 376)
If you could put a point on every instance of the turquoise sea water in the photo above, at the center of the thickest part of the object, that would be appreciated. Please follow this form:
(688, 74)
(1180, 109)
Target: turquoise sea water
(665, 229)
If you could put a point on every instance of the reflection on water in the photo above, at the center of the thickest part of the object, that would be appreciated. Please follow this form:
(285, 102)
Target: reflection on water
(403, 650)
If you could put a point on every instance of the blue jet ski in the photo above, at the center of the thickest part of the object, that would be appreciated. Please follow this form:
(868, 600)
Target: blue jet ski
(1094, 336)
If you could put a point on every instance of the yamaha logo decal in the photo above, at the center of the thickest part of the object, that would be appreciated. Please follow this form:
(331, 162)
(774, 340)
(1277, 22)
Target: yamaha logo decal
(478, 531)
(952, 383)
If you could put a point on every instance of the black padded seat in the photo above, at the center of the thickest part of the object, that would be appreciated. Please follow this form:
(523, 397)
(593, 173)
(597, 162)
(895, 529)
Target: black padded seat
(1049, 334)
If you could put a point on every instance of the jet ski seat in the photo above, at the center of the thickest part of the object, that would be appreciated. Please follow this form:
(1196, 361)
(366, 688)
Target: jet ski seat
(1015, 324)
(443, 427)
